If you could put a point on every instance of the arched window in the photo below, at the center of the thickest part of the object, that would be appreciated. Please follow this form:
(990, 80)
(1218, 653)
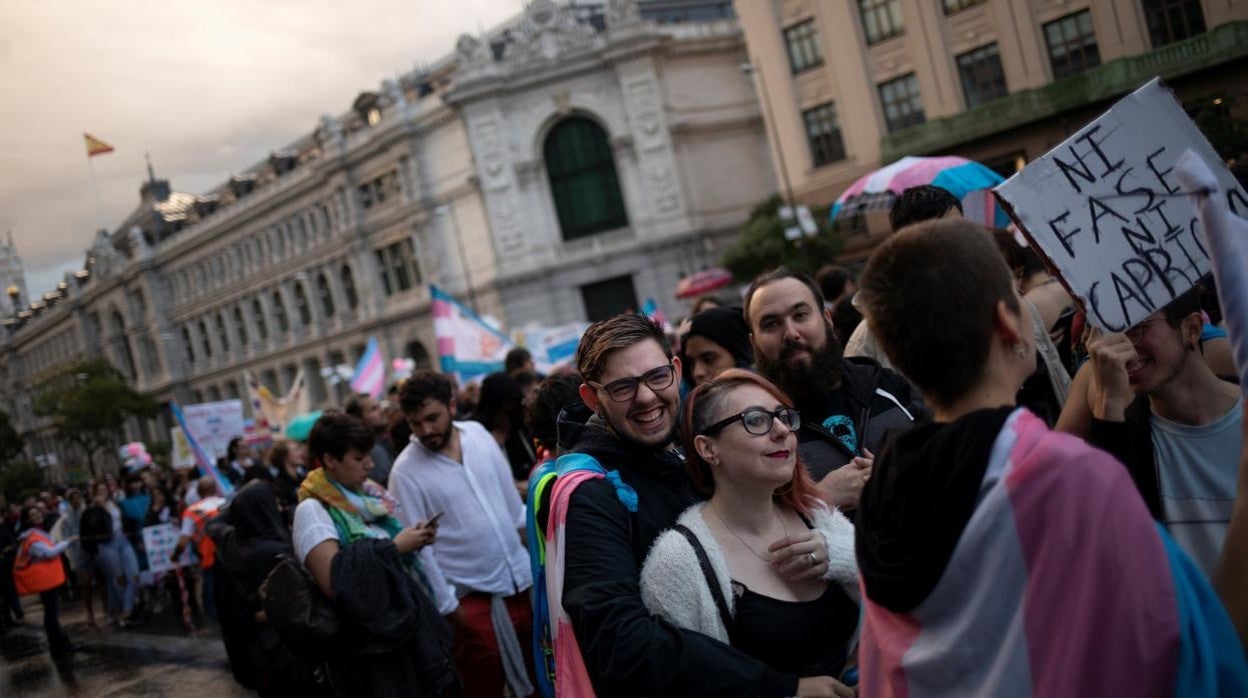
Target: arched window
(127, 356)
(240, 325)
(279, 313)
(583, 179)
(257, 312)
(348, 287)
(327, 298)
(203, 336)
(301, 305)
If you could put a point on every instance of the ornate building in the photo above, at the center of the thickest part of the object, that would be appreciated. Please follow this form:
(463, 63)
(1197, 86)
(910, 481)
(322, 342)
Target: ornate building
(12, 280)
(565, 166)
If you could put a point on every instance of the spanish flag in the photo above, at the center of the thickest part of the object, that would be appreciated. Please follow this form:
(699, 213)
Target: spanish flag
(96, 146)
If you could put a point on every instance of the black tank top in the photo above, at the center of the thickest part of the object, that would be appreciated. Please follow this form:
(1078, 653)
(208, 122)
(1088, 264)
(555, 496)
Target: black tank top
(807, 638)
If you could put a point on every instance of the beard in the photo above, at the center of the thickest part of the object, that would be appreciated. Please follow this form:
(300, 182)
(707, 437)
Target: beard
(806, 382)
(436, 442)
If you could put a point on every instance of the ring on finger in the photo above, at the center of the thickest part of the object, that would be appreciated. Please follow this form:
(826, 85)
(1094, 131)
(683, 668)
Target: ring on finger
(814, 559)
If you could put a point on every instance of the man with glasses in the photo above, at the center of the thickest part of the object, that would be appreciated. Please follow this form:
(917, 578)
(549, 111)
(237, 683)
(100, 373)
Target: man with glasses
(627, 424)
(848, 405)
(1158, 408)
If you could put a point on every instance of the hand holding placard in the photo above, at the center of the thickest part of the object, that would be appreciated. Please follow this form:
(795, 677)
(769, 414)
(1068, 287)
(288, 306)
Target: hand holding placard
(1107, 210)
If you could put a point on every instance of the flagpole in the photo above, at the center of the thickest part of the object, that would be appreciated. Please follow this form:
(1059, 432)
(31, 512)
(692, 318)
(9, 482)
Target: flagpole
(95, 187)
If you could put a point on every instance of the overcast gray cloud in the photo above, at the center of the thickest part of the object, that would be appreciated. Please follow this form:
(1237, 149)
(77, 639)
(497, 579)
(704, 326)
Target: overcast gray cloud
(208, 88)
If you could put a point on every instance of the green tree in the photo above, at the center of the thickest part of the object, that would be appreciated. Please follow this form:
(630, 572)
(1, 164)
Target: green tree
(11, 443)
(89, 403)
(762, 245)
(21, 479)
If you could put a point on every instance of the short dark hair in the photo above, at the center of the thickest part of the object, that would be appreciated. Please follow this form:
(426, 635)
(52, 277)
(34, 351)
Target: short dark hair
(605, 337)
(425, 385)
(778, 274)
(1179, 309)
(516, 358)
(930, 294)
(832, 281)
(921, 203)
(355, 406)
(542, 415)
(845, 319)
(335, 433)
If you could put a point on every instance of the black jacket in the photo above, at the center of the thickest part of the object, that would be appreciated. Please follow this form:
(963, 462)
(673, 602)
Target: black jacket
(879, 401)
(628, 651)
(95, 527)
(1131, 442)
(393, 641)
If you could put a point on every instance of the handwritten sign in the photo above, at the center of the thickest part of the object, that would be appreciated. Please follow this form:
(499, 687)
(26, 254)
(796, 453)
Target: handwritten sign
(1105, 209)
(159, 541)
(214, 423)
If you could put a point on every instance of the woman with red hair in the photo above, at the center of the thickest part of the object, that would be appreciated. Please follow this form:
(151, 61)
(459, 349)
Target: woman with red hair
(715, 571)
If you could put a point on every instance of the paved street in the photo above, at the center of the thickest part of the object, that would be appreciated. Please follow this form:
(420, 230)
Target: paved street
(157, 659)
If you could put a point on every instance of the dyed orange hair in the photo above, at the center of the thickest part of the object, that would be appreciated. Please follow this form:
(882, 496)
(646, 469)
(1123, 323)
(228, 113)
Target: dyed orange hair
(701, 408)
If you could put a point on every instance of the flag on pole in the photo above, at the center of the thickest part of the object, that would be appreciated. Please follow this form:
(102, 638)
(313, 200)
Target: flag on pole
(273, 413)
(467, 346)
(224, 488)
(96, 146)
(370, 372)
(651, 310)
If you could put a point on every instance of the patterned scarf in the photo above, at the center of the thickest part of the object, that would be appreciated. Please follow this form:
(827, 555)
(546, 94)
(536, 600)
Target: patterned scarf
(353, 512)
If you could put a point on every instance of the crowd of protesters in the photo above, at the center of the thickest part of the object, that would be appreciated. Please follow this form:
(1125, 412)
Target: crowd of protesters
(885, 483)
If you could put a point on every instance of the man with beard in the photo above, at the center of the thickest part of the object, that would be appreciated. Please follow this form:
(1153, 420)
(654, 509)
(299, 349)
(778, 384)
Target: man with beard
(454, 475)
(602, 526)
(1158, 408)
(848, 405)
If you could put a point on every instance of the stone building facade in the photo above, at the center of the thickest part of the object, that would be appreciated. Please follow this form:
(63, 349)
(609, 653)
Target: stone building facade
(856, 84)
(555, 169)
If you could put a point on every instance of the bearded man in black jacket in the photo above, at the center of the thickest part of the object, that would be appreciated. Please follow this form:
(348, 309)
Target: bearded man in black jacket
(848, 405)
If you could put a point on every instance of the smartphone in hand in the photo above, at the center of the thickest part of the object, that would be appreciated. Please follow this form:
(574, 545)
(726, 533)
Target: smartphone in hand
(433, 520)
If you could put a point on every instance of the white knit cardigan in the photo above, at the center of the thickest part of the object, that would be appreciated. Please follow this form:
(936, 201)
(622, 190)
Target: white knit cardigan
(673, 586)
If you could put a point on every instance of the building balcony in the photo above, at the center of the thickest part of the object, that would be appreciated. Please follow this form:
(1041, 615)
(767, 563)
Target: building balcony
(1217, 46)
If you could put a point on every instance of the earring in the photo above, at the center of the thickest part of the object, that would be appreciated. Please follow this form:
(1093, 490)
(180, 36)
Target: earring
(1020, 350)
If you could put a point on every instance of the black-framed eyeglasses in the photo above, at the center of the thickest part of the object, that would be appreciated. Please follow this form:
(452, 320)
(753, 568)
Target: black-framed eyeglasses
(625, 389)
(758, 421)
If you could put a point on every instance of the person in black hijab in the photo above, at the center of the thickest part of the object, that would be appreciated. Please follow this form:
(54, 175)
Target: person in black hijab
(250, 536)
(718, 339)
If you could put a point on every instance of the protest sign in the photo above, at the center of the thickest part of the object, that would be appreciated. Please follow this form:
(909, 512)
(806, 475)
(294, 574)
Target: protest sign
(1104, 208)
(159, 542)
(180, 455)
(552, 347)
(214, 423)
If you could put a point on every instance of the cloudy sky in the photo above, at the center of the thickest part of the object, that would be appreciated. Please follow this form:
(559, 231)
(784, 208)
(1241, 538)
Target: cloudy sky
(207, 88)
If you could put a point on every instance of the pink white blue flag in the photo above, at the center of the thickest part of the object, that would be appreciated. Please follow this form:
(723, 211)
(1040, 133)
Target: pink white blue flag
(224, 488)
(467, 346)
(370, 372)
(652, 310)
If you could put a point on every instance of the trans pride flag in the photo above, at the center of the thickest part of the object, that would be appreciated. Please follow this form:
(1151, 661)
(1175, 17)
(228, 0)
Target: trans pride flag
(224, 488)
(1061, 584)
(370, 372)
(467, 346)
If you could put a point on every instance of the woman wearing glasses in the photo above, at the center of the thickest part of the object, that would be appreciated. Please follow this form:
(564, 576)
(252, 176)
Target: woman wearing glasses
(714, 572)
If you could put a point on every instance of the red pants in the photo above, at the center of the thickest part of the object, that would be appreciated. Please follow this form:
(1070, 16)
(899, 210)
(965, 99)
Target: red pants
(476, 651)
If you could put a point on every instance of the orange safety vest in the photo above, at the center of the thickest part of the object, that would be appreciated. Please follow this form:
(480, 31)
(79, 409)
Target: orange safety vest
(200, 515)
(33, 576)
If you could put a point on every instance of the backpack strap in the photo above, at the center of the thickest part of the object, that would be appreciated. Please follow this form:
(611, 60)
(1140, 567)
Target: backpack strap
(712, 580)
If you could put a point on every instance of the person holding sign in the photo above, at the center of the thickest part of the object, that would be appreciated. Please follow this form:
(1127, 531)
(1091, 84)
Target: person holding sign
(996, 556)
(1158, 408)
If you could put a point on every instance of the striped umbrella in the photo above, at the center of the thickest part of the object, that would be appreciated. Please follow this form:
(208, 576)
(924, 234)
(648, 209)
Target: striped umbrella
(966, 179)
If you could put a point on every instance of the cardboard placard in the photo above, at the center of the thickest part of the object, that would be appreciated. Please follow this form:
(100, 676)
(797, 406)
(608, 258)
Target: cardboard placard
(1106, 211)
(213, 424)
(159, 542)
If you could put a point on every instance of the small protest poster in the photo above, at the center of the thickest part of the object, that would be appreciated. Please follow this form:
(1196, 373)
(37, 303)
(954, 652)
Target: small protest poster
(213, 424)
(1104, 208)
(159, 541)
(180, 449)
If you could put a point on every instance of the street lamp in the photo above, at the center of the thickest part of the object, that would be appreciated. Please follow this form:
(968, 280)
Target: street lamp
(448, 211)
(773, 132)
